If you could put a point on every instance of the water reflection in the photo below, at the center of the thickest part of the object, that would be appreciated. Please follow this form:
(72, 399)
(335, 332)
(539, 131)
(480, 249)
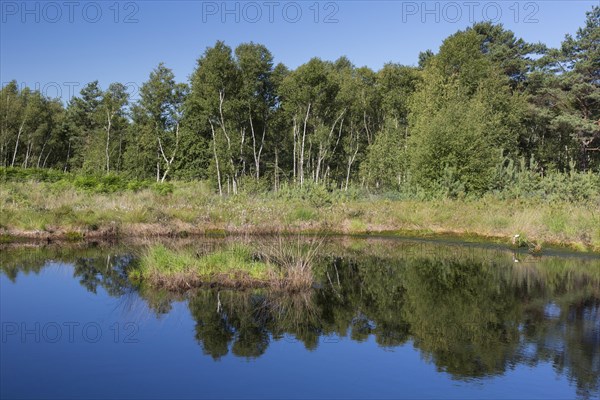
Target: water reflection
(473, 312)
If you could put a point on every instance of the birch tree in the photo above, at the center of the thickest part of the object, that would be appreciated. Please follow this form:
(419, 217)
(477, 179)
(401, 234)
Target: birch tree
(257, 95)
(158, 116)
(112, 108)
(214, 105)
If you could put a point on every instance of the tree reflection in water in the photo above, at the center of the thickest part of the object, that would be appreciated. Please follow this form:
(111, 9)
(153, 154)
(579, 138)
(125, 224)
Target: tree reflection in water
(472, 312)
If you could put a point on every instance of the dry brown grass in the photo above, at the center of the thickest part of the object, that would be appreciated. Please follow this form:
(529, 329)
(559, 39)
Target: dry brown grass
(294, 259)
(36, 210)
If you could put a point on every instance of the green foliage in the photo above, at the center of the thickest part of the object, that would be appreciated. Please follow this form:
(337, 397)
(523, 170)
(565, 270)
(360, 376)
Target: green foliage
(522, 181)
(450, 127)
(386, 162)
(163, 188)
(252, 186)
(460, 117)
(110, 183)
(96, 126)
(568, 78)
(235, 258)
(315, 194)
(15, 174)
(156, 129)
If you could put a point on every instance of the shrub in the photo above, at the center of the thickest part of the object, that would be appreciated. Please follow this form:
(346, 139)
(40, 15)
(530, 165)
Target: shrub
(315, 194)
(15, 174)
(524, 181)
(92, 183)
(163, 188)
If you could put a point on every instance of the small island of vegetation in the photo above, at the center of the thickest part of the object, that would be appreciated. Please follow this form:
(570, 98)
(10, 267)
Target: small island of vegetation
(278, 265)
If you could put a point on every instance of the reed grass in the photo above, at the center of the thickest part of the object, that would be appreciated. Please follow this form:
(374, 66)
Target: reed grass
(41, 210)
(280, 264)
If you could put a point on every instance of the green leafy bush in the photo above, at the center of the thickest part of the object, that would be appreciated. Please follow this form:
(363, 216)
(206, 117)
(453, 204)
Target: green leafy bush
(163, 188)
(93, 183)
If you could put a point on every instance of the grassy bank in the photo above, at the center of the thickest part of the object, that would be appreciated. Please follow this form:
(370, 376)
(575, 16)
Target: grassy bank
(59, 210)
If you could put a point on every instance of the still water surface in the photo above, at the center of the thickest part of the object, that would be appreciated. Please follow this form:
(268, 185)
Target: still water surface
(387, 319)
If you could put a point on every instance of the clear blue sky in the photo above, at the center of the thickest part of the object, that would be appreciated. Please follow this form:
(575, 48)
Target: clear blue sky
(59, 45)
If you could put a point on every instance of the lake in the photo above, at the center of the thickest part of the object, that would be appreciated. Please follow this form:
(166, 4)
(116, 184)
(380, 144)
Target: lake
(387, 318)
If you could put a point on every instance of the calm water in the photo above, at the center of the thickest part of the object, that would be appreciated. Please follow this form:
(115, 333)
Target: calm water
(387, 319)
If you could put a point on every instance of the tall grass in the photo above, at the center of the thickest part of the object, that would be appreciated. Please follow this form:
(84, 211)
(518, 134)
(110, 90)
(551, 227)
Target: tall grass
(294, 259)
(234, 265)
(280, 264)
(49, 206)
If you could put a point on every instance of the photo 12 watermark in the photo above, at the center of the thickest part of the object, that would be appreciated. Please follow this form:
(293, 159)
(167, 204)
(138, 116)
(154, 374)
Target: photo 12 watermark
(65, 91)
(252, 12)
(53, 12)
(470, 11)
(67, 332)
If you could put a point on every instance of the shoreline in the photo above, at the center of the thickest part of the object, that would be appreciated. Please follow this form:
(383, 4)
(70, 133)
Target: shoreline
(42, 212)
(113, 232)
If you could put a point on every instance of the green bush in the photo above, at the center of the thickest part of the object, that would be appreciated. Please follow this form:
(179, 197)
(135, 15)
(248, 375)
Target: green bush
(315, 194)
(523, 181)
(15, 174)
(520, 180)
(86, 183)
(92, 183)
(163, 188)
(249, 185)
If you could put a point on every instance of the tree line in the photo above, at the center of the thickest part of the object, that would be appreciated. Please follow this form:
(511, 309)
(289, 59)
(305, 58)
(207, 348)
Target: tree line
(485, 101)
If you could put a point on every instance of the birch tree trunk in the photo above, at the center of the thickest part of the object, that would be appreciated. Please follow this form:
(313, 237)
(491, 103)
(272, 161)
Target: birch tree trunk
(350, 162)
(26, 162)
(107, 149)
(221, 101)
(255, 153)
(212, 128)
(295, 133)
(42, 152)
(301, 172)
(169, 161)
(17, 143)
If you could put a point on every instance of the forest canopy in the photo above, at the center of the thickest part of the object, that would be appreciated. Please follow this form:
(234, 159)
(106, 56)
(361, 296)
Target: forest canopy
(466, 119)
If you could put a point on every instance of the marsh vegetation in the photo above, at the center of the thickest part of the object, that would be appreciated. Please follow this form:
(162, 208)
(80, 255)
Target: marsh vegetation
(37, 206)
(280, 264)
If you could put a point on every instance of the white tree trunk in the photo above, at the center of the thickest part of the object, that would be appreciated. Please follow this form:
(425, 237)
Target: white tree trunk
(301, 172)
(107, 149)
(212, 128)
(17, 143)
(169, 161)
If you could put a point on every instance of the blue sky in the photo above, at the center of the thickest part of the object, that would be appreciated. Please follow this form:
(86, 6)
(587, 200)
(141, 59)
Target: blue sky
(59, 46)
